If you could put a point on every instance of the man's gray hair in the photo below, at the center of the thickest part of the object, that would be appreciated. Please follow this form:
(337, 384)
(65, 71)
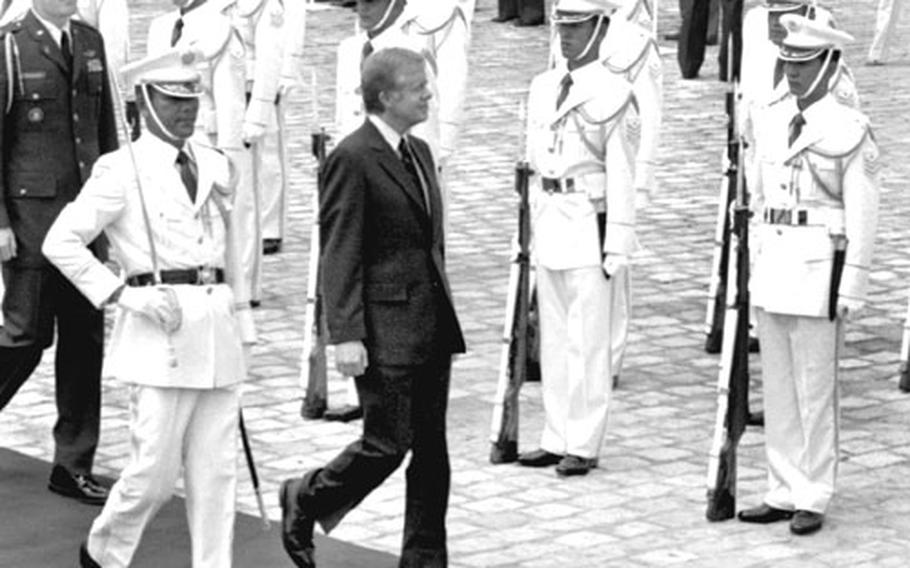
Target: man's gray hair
(380, 73)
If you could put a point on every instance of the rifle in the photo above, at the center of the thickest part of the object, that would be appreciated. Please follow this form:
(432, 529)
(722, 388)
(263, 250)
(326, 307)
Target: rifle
(904, 383)
(733, 377)
(313, 371)
(254, 476)
(513, 363)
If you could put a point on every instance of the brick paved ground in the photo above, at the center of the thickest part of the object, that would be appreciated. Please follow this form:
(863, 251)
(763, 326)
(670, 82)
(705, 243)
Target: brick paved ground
(644, 506)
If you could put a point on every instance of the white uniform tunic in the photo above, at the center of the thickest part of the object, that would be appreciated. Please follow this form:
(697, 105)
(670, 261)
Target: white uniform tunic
(825, 185)
(182, 414)
(221, 111)
(582, 148)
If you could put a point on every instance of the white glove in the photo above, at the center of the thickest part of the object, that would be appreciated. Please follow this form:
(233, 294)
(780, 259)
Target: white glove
(351, 358)
(849, 309)
(7, 244)
(252, 133)
(155, 303)
(614, 262)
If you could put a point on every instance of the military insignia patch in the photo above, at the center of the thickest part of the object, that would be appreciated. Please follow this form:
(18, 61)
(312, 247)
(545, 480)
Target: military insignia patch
(871, 163)
(88, 53)
(35, 114)
(94, 65)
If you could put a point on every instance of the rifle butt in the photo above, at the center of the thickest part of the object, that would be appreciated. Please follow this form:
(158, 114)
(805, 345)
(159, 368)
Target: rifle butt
(904, 383)
(504, 451)
(722, 496)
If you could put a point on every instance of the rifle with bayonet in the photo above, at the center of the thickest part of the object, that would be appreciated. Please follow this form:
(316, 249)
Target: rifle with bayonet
(733, 377)
(313, 370)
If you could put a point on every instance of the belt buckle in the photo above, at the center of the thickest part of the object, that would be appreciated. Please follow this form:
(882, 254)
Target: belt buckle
(205, 275)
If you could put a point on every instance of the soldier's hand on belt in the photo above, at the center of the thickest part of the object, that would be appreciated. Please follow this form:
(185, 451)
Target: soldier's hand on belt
(7, 244)
(351, 358)
(153, 303)
(849, 309)
(614, 262)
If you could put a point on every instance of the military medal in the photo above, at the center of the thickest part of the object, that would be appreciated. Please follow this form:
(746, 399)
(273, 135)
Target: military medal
(35, 114)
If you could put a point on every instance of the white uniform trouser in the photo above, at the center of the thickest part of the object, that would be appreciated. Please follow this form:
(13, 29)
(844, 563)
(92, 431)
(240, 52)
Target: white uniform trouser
(575, 315)
(172, 428)
(886, 18)
(619, 320)
(272, 150)
(246, 216)
(799, 382)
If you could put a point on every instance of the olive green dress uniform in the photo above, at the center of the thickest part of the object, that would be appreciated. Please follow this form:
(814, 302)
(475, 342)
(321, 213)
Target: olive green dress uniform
(57, 118)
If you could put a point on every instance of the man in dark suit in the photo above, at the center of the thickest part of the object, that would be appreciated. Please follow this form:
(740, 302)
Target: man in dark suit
(390, 316)
(57, 118)
(524, 12)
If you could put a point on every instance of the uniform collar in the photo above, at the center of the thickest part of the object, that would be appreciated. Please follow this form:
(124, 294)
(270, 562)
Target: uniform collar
(816, 116)
(56, 33)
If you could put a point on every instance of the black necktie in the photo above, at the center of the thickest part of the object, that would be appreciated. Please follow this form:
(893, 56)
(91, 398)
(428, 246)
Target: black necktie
(564, 86)
(366, 51)
(796, 127)
(410, 165)
(188, 174)
(177, 31)
(66, 50)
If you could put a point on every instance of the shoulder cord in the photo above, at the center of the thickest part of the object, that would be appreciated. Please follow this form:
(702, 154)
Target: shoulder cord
(840, 163)
(598, 149)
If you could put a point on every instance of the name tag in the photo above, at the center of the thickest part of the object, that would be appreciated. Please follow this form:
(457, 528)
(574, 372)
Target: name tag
(94, 66)
(32, 75)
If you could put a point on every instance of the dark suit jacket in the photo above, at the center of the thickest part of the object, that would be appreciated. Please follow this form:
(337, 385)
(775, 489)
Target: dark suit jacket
(383, 275)
(55, 129)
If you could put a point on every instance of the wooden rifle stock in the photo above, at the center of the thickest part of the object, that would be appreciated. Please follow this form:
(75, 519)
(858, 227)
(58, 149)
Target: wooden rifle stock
(313, 366)
(733, 378)
(514, 357)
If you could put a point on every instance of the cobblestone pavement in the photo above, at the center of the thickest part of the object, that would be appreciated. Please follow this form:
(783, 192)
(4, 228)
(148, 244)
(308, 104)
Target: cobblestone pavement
(645, 504)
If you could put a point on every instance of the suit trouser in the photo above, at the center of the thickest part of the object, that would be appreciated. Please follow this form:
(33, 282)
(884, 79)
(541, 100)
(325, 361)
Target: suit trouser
(799, 383)
(273, 195)
(170, 428)
(404, 408)
(699, 21)
(575, 317)
(886, 17)
(527, 11)
(36, 299)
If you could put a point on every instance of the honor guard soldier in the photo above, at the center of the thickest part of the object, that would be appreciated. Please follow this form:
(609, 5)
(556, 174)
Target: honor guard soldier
(436, 29)
(815, 197)
(183, 321)
(208, 26)
(273, 32)
(57, 118)
(583, 228)
(630, 52)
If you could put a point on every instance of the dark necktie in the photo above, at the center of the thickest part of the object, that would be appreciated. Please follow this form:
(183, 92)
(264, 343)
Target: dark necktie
(366, 51)
(796, 127)
(188, 174)
(410, 165)
(66, 50)
(177, 31)
(564, 86)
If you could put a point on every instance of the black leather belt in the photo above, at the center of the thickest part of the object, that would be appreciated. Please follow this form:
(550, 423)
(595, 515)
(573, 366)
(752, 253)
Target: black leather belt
(197, 276)
(559, 185)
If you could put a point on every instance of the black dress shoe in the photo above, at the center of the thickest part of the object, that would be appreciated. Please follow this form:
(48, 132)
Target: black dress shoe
(296, 526)
(271, 246)
(538, 458)
(764, 514)
(806, 522)
(344, 413)
(78, 486)
(575, 465)
(85, 560)
(756, 418)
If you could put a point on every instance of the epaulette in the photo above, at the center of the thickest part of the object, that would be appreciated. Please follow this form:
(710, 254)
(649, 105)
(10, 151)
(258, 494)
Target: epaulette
(629, 49)
(435, 16)
(11, 27)
(844, 134)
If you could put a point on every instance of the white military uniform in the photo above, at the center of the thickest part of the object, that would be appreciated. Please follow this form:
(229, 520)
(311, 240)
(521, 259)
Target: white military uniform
(887, 15)
(182, 414)
(581, 148)
(630, 51)
(274, 33)
(439, 31)
(210, 28)
(824, 185)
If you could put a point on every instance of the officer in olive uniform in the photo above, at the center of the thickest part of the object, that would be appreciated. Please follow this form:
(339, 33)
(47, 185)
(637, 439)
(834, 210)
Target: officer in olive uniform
(57, 118)
(583, 226)
(815, 199)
